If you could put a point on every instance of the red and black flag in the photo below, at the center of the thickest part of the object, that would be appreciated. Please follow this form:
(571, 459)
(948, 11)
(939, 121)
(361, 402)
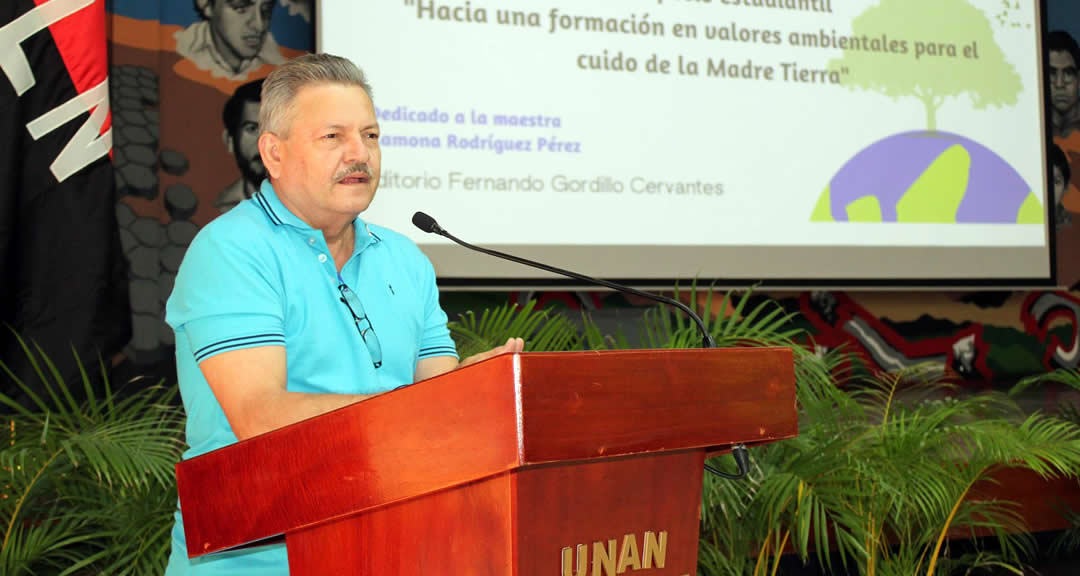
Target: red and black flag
(62, 272)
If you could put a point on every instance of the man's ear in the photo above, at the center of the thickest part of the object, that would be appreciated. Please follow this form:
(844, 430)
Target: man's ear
(271, 149)
(228, 140)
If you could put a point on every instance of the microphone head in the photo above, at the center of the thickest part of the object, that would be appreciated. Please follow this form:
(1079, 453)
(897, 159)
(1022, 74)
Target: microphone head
(425, 222)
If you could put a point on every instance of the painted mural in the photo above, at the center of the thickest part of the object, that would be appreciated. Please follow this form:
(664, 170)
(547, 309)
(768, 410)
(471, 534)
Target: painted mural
(186, 78)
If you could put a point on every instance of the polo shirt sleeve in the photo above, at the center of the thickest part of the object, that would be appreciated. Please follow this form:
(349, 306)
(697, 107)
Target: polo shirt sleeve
(436, 340)
(228, 294)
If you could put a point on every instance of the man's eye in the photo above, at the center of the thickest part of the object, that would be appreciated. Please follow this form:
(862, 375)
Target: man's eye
(373, 136)
(241, 6)
(330, 136)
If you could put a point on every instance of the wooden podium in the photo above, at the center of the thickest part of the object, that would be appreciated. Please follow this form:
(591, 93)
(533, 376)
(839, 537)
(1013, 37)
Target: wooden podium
(526, 464)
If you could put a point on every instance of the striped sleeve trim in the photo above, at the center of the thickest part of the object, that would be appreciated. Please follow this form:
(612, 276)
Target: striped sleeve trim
(438, 351)
(231, 343)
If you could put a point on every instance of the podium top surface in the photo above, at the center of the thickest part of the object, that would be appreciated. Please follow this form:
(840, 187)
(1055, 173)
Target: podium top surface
(492, 417)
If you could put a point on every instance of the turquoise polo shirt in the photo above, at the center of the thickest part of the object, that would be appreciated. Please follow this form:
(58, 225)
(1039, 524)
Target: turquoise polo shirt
(259, 276)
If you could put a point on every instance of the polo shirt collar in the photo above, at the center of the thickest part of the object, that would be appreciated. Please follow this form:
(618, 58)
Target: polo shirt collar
(267, 200)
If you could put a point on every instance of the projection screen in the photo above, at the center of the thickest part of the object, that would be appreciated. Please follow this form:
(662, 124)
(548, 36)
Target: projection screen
(857, 142)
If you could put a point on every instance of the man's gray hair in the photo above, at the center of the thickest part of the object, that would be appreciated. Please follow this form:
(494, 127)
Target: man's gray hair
(284, 83)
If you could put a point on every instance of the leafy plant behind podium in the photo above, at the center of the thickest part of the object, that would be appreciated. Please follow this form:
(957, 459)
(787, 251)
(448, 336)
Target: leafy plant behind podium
(880, 475)
(86, 487)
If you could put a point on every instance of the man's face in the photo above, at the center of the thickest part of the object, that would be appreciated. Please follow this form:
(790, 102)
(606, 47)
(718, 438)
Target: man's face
(241, 24)
(245, 144)
(1063, 94)
(1059, 185)
(329, 164)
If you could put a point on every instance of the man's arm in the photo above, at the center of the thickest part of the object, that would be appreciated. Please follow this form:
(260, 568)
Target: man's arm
(434, 366)
(250, 386)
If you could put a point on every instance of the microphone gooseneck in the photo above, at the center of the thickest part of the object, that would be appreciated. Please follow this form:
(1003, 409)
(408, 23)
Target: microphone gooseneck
(429, 225)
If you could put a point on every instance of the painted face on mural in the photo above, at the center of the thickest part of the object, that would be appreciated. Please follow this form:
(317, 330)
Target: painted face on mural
(245, 145)
(239, 27)
(328, 165)
(1063, 82)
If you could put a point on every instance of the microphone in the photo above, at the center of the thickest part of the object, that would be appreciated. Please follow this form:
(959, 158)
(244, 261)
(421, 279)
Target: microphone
(429, 225)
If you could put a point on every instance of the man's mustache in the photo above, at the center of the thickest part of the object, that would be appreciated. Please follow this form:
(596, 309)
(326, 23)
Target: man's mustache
(360, 168)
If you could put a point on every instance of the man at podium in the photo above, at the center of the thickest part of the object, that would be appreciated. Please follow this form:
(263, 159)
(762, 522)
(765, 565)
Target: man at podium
(290, 305)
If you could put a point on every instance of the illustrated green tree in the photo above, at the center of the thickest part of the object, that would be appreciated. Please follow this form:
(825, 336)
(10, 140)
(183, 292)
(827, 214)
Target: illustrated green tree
(986, 76)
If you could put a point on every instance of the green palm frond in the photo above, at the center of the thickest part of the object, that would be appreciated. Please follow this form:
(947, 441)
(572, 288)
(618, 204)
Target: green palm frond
(59, 540)
(543, 330)
(1068, 542)
(737, 323)
(715, 559)
(884, 391)
(766, 324)
(593, 338)
(821, 399)
(70, 470)
(728, 523)
(1068, 377)
(43, 409)
(981, 562)
(131, 444)
(140, 527)
(1069, 412)
(1004, 520)
(1047, 445)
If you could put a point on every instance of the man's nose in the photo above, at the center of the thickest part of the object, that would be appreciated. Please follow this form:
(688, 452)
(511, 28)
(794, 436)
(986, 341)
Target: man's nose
(257, 21)
(357, 151)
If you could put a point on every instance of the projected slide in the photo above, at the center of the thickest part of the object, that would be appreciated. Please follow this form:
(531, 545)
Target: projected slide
(816, 134)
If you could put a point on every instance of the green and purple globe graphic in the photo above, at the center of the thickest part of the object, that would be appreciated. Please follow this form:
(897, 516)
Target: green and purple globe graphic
(934, 177)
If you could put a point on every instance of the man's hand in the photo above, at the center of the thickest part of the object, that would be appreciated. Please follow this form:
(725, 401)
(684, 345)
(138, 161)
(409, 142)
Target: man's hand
(513, 346)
